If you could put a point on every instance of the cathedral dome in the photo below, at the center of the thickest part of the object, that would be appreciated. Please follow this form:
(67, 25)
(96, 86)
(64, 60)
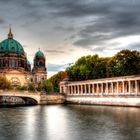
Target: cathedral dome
(39, 54)
(11, 46)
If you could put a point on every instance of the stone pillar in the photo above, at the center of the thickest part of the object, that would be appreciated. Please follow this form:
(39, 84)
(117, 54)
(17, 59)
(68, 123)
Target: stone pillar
(81, 89)
(74, 89)
(129, 87)
(85, 89)
(78, 89)
(102, 90)
(123, 87)
(107, 88)
(112, 88)
(117, 87)
(97, 88)
(93, 88)
(136, 87)
(89, 88)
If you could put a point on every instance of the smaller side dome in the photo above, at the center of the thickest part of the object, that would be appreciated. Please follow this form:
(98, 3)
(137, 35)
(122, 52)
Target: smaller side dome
(39, 54)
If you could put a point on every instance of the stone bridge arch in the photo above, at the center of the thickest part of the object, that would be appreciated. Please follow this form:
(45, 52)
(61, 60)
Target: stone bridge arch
(28, 98)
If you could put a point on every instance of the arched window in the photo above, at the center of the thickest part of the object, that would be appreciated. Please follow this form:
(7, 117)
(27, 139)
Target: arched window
(13, 63)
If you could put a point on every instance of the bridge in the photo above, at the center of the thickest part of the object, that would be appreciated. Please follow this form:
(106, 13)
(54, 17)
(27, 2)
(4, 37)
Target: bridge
(27, 97)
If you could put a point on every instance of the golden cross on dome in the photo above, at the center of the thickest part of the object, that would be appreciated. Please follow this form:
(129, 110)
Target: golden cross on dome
(10, 34)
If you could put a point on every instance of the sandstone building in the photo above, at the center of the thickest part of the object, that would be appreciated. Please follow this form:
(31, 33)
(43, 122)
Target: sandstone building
(15, 66)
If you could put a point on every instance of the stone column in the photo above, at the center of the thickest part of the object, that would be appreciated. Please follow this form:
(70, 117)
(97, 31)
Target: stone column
(81, 89)
(74, 89)
(107, 88)
(97, 88)
(102, 90)
(78, 89)
(123, 87)
(89, 88)
(136, 87)
(85, 89)
(112, 88)
(93, 88)
(117, 87)
(129, 87)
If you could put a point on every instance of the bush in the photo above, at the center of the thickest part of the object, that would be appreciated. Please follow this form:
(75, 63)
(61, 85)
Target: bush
(22, 88)
(47, 85)
(4, 83)
(31, 87)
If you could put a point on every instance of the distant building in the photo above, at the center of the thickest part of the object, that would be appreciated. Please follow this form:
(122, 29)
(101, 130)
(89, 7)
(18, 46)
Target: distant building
(15, 66)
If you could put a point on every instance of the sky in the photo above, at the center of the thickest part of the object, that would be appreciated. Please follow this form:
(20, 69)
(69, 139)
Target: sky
(65, 30)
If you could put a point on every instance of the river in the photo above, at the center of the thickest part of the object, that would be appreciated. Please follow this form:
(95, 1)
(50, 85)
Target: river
(69, 122)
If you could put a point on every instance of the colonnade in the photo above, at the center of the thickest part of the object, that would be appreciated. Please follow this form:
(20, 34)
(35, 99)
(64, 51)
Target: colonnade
(128, 85)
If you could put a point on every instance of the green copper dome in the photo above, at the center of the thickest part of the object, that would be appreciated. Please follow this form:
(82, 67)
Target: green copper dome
(39, 54)
(11, 46)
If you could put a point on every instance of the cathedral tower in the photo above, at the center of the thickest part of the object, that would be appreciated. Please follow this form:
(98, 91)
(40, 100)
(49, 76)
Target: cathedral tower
(39, 68)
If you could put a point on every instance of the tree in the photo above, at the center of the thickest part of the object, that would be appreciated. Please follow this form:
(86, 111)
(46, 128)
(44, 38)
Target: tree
(88, 67)
(47, 85)
(124, 63)
(4, 83)
(55, 80)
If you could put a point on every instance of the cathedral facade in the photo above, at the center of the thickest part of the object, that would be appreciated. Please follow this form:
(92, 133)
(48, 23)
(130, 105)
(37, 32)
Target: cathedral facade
(15, 66)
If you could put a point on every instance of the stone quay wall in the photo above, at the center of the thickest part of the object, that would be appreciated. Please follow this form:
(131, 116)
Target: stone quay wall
(108, 100)
(52, 99)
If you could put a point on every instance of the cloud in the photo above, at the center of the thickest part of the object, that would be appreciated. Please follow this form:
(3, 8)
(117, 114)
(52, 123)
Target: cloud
(2, 21)
(78, 26)
(54, 51)
(55, 67)
(134, 46)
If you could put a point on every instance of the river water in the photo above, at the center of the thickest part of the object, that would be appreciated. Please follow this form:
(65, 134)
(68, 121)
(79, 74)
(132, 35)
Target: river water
(70, 122)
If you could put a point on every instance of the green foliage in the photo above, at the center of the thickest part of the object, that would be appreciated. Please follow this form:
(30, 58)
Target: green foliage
(124, 63)
(4, 83)
(22, 88)
(55, 80)
(39, 86)
(88, 67)
(47, 85)
(31, 87)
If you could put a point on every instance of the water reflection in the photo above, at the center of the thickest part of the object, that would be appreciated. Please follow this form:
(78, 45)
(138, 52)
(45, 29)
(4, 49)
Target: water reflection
(72, 122)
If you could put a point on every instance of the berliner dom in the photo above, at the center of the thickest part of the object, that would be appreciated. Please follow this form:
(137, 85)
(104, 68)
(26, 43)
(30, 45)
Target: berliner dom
(15, 66)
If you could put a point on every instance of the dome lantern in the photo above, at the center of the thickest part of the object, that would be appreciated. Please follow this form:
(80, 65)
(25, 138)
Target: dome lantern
(10, 34)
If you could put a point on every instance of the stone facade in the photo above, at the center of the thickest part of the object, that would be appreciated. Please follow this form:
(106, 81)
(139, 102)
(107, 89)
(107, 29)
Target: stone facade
(15, 66)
